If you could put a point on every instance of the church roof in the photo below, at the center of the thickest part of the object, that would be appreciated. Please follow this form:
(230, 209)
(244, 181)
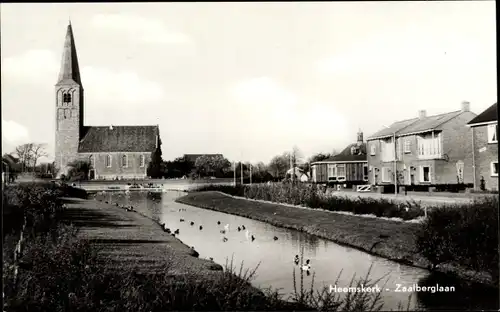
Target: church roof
(119, 139)
(70, 71)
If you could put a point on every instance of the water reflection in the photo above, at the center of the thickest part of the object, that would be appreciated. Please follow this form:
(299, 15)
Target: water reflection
(275, 258)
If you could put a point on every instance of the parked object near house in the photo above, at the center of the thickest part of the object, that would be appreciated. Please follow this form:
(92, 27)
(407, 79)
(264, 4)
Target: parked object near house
(427, 150)
(484, 139)
(113, 151)
(349, 167)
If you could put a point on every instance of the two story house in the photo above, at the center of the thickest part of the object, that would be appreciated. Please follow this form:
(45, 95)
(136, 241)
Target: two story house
(349, 167)
(484, 130)
(427, 150)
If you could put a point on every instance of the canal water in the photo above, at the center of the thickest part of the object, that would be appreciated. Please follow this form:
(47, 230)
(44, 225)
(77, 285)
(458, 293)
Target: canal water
(330, 263)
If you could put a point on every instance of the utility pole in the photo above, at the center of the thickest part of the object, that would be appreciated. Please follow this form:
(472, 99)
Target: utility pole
(250, 173)
(241, 166)
(234, 170)
(395, 166)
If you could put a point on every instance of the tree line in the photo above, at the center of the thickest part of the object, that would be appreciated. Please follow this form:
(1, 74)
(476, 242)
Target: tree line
(204, 166)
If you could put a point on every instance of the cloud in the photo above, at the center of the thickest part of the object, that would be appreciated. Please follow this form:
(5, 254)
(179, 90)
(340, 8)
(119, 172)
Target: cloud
(145, 29)
(405, 53)
(102, 85)
(264, 92)
(33, 66)
(14, 132)
(277, 108)
(124, 86)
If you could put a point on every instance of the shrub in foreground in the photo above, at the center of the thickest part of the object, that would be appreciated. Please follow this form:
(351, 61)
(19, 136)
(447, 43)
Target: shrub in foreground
(463, 234)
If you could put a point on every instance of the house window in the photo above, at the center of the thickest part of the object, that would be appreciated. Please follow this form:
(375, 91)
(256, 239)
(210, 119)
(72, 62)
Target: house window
(493, 133)
(372, 149)
(425, 174)
(386, 176)
(92, 161)
(124, 161)
(108, 161)
(407, 146)
(331, 171)
(142, 161)
(365, 172)
(387, 151)
(341, 172)
(429, 146)
(494, 169)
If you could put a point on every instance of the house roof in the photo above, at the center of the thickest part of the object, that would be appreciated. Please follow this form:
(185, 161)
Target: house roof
(394, 128)
(193, 157)
(427, 123)
(490, 114)
(346, 154)
(70, 71)
(298, 172)
(416, 125)
(119, 139)
(10, 158)
(11, 161)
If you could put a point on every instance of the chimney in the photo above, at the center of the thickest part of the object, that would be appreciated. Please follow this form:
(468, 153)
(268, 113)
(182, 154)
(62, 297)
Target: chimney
(465, 107)
(422, 114)
(360, 136)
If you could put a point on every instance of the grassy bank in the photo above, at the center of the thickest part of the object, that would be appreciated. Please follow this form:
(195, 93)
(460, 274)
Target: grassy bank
(57, 270)
(313, 196)
(388, 239)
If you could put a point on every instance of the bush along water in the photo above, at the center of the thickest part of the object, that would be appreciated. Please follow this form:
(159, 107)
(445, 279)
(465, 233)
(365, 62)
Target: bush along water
(58, 271)
(313, 196)
(465, 235)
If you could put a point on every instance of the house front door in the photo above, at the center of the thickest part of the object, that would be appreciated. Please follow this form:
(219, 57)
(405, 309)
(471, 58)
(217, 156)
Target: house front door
(412, 179)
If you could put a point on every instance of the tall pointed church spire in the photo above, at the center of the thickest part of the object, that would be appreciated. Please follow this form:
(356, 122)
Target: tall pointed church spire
(70, 71)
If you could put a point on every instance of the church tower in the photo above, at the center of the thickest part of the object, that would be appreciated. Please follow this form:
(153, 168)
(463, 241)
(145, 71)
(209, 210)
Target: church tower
(69, 105)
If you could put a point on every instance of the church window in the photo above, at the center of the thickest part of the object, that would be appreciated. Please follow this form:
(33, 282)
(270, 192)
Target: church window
(142, 161)
(108, 161)
(66, 98)
(124, 161)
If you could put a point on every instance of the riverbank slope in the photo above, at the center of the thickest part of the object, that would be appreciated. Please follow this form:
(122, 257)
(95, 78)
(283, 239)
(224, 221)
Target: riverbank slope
(388, 239)
(132, 241)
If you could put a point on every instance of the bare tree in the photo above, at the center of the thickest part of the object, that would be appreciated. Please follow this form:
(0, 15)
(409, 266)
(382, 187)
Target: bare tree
(24, 154)
(37, 151)
(29, 154)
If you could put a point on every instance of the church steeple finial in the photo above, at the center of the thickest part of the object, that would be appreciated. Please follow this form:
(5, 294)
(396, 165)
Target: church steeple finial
(70, 71)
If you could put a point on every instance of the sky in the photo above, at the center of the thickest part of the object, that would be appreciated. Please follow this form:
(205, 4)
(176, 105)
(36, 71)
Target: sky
(248, 80)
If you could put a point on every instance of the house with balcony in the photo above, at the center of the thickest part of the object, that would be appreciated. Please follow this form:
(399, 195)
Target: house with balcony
(484, 139)
(426, 150)
(348, 168)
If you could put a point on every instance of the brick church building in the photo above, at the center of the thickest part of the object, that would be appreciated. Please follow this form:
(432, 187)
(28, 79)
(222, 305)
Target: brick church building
(113, 151)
